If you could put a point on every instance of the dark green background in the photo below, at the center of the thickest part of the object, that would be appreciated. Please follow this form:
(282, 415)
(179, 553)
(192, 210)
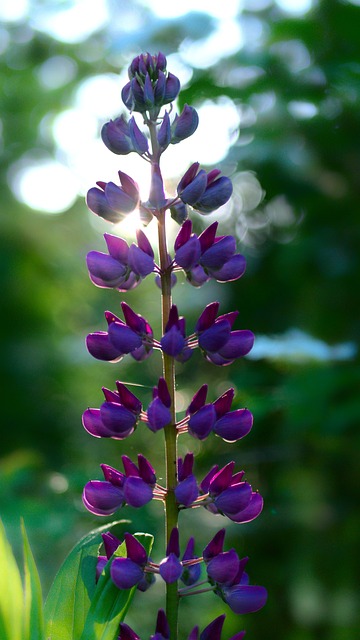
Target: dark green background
(303, 452)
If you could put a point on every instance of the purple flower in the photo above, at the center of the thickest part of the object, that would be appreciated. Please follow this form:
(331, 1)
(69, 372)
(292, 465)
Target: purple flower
(184, 125)
(132, 336)
(186, 491)
(150, 86)
(111, 202)
(204, 192)
(111, 543)
(224, 567)
(230, 495)
(213, 631)
(134, 487)
(124, 267)
(173, 341)
(128, 572)
(116, 136)
(158, 412)
(170, 568)
(207, 256)
(117, 417)
(191, 572)
(219, 344)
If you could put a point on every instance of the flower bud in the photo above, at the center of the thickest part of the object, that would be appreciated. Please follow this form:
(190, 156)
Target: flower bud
(184, 125)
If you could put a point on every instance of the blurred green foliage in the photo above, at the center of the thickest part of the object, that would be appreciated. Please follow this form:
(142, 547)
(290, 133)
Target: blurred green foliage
(296, 81)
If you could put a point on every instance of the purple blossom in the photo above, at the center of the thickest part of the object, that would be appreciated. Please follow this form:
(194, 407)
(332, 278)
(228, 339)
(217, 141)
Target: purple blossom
(184, 125)
(116, 136)
(170, 567)
(158, 412)
(186, 491)
(174, 341)
(217, 417)
(207, 256)
(127, 572)
(219, 344)
(230, 495)
(191, 572)
(134, 336)
(149, 86)
(117, 417)
(111, 202)
(134, 487)
(204, 192)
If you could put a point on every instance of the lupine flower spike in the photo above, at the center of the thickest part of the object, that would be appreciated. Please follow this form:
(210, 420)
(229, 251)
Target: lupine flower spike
(152, 125)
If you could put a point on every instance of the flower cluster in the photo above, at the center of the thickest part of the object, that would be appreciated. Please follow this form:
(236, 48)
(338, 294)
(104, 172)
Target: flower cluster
(150, 91)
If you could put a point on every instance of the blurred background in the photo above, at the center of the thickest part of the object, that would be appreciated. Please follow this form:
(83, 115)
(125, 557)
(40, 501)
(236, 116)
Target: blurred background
(277, 87)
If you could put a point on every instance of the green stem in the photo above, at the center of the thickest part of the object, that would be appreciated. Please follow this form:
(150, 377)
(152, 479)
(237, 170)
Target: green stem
(171, 507)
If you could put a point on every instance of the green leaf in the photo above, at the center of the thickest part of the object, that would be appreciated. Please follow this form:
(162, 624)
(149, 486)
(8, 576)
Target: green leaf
(70, 595)
(33, 606)
(110, 604)
(11, 592)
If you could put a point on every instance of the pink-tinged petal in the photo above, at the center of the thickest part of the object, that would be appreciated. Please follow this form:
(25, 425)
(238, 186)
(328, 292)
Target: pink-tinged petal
(135, 550)
(129, 185)
(223, 403)
(128, 399)
(222, 479)
(111, 543)
(213, 630)
(198, 400)
(207, 317)
(215, 546)
(126, 633)
(118, 247)
(146, 470)
(207, 237)
(143, 243)
(184, 234)
(162, 625)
